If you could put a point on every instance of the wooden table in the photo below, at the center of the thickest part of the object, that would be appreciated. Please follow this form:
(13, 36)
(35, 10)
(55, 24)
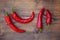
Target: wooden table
(24, 9)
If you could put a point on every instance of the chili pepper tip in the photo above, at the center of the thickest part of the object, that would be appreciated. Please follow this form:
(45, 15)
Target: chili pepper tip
(40, 30)
(7, 14)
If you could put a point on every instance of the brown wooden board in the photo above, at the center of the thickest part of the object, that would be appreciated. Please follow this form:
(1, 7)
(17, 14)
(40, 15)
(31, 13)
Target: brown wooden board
(24, 9)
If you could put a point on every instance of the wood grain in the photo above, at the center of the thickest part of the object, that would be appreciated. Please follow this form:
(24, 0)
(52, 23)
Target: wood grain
(24, 9)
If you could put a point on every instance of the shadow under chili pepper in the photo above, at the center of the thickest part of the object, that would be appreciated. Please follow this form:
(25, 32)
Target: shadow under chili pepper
(37, 31)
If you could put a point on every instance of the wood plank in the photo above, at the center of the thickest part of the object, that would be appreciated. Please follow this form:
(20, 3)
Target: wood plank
(24, 9)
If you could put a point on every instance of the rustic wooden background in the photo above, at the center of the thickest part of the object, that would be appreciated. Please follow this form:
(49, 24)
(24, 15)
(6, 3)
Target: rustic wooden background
(24, 9)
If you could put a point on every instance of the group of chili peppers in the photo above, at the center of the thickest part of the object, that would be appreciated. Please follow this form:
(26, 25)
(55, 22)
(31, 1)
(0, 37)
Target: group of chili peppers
(24, 21)
(40, 16)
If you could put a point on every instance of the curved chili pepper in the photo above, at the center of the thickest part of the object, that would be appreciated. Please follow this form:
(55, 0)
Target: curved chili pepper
(39, 21)
(20, 20)
(48, 18)
(12, 26)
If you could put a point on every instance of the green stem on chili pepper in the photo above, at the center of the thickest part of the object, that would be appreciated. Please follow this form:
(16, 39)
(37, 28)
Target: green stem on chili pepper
(12, 10)
(40, 30)
(6, 13)
(48, 25)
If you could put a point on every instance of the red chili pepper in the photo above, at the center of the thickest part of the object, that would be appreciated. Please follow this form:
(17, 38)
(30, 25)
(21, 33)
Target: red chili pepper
(39, 21)
(20, 20)
(12, 26)
(48, 18)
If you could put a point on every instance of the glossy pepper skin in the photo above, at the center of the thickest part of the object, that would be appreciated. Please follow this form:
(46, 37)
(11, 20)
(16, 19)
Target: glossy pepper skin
(11, 25)
(39, 21)
(48, 18)
(20, 20)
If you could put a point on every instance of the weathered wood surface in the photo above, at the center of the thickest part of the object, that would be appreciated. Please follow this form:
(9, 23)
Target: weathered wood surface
(24, 9)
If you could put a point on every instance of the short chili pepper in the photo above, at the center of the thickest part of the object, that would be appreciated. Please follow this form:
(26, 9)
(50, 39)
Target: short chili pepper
(48, 18)
(39, 21)
(20, 20)
(11, 25)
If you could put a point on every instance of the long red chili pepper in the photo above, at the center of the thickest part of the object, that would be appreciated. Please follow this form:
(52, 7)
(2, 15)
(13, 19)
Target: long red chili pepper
(39, 21)
(12, 26)
(48, 18)
(20, 20)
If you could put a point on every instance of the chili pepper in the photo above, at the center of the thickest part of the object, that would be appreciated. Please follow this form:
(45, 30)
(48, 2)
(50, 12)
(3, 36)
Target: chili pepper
(39, 21)
(20, 20)
(12, 26)
(48, 18)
